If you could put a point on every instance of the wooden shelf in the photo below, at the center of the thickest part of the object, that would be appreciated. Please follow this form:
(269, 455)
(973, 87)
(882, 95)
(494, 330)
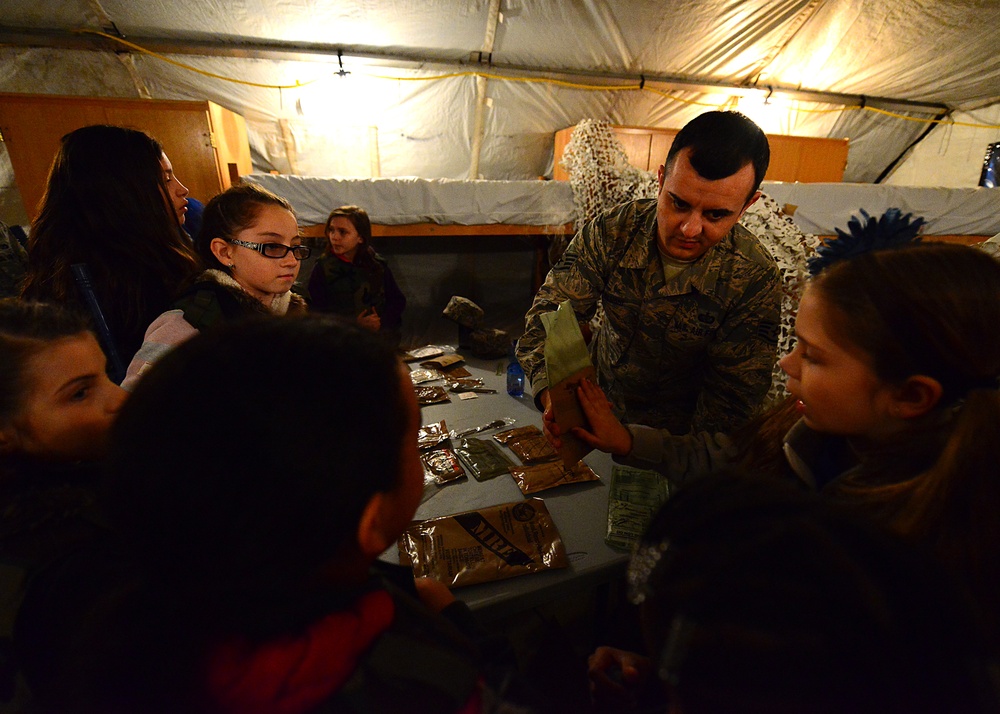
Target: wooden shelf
(793, 158)
(207, 144)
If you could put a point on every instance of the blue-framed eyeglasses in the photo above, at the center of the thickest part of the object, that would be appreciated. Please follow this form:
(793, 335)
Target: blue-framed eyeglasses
(274, 250)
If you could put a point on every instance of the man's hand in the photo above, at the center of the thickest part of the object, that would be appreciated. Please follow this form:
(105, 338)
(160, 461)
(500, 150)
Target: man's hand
(616, 675)
(370, 320)
(606, 432)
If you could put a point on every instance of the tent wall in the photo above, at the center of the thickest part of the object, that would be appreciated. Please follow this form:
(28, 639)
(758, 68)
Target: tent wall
(952, 154)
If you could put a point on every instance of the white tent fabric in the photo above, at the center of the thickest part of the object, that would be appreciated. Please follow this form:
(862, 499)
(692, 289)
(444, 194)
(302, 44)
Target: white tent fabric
(414, 200)
(408, 105)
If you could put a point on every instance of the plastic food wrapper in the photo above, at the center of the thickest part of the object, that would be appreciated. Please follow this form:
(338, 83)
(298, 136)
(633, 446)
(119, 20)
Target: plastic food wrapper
(481, 546)
(419, 376)
(442, 466)
(528, 443)
(431, 395)
(426, 352)
(636, 495)
(430, 435)
(509, 435)
(495, 424)
(483, 459)
(539, 477)
(470, 384)
(567, 363)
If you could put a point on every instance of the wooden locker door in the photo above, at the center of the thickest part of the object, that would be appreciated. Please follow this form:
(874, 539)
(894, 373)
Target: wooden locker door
(184, 133)
(32, 128)
(823, 160)
(786, 154)
(659, 146)
(636, 144)
(232, 144)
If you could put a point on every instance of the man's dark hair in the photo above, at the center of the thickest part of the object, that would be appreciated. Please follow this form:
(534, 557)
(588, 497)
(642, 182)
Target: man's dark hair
(721, 144)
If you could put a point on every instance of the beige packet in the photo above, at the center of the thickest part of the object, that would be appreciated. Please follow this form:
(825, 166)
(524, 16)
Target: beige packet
(484, 545)
(540, 477)
(567, 363)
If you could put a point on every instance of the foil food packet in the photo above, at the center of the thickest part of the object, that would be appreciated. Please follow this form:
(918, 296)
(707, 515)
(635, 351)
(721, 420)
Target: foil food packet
(430, 435)
(431, 395)
(539, 477)
(483, 459)
(441, 466)
(484, 545)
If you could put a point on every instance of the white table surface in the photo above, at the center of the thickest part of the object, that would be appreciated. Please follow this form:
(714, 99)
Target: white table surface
(580, 511)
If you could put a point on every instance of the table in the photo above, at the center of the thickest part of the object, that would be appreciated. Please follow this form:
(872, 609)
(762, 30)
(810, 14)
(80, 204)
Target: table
(578, 510)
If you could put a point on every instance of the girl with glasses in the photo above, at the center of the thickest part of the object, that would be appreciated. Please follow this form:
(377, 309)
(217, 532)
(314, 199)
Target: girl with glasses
(250, 242)
(354, 281)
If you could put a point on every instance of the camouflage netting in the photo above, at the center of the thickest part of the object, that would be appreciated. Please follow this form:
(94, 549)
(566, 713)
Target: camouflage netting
(601, 178)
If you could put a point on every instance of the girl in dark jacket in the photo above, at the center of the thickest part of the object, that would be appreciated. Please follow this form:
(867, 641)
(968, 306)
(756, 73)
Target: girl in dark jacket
(253, 499)
(354, 281)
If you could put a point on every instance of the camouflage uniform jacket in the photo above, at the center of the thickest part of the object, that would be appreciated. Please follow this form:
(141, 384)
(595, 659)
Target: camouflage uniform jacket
(692, 353)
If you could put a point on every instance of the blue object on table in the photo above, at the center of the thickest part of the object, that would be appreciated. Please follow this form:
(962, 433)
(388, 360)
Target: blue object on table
(515, 376)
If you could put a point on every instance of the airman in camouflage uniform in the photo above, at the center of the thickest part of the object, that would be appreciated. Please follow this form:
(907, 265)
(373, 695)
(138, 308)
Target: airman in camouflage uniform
(692, 349)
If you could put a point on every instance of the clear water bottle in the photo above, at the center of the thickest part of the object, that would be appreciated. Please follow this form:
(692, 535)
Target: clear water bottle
(515, 376)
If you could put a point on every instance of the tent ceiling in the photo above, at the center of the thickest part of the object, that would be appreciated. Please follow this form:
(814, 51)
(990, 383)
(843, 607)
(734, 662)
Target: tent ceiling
(697, 53)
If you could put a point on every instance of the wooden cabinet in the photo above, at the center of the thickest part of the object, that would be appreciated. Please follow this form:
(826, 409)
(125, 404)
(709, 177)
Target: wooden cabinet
(793, 158)
(207, 144)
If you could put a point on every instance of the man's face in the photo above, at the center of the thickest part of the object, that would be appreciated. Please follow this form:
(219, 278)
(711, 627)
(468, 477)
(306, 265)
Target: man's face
(693, 213)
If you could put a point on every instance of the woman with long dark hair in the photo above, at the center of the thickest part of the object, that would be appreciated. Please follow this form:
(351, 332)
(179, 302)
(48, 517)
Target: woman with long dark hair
(113, 204)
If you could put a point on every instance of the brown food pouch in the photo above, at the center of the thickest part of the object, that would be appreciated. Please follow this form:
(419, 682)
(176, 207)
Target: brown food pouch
(539, 477)
(568, 414)
(480, 546)
(443, 362)
(533, 448)
(431, 395)
(442, 465)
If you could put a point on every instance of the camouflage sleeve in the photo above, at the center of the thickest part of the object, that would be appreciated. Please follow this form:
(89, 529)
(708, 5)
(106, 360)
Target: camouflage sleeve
(678, 458)
(576, 277)
(741, 358)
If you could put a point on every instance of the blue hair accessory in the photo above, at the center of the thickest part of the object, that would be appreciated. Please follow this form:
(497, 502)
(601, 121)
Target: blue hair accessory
(866, 234)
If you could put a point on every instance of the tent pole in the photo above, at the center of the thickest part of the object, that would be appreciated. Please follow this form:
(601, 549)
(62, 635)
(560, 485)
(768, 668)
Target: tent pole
(297, 51)
(887, 171)
(480, 120)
